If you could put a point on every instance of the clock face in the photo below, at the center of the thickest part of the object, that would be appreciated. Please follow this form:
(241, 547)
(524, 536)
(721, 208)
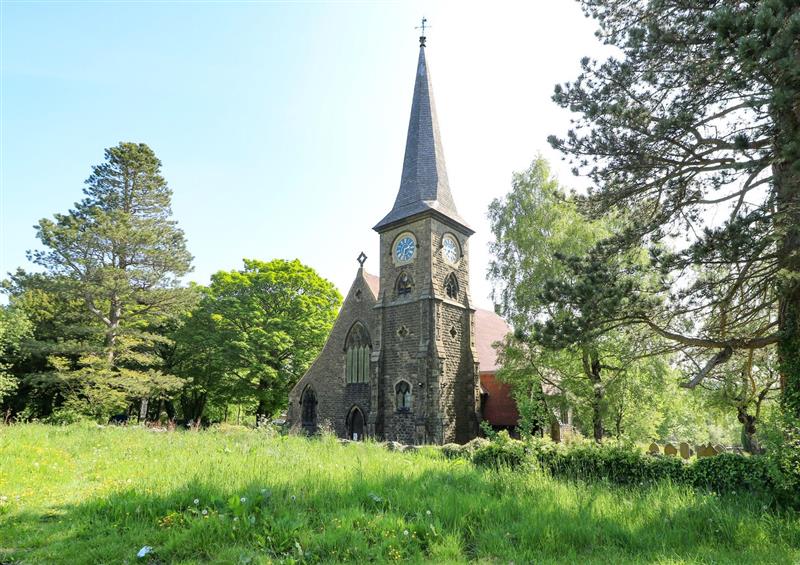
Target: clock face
(450, 248)
(404, 248)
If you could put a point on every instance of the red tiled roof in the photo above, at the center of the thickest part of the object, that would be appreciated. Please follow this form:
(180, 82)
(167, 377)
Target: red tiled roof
(374, 283)
(489, 328)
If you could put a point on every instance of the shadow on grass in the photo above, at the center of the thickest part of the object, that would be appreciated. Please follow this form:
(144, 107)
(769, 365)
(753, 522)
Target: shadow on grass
(439, 516)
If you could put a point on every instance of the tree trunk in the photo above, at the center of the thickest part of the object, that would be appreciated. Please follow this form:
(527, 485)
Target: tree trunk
(143, 404)
(591, 366)
(786, 176)
(748, 422)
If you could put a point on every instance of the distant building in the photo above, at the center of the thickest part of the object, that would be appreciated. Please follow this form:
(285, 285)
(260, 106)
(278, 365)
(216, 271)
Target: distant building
(409, 359)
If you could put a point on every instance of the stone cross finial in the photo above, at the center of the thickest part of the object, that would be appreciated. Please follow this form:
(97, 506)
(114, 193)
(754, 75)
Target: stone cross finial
(422, 27)
(361, 258)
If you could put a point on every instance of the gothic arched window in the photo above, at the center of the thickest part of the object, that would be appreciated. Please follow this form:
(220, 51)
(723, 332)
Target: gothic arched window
(404, 284)
(451, 286)
(358, 349)
(308, 403)
(402, 396)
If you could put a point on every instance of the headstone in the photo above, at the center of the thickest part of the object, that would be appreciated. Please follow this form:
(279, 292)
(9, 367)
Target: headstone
(685, 450)
(706, 451)
(719, 448)
(653, 449)
(669, 449)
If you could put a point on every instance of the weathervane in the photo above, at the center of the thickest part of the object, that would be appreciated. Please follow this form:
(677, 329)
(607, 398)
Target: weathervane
(422, 27)
(361, 258)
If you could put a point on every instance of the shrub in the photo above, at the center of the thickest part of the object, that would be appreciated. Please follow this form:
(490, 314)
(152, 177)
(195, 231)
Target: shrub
(65, 417)
(472, 446)
(452, 450)
(502, 452)
(728, 473)
(618, 463)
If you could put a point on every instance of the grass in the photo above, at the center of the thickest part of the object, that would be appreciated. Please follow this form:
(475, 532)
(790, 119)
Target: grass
(82, 494)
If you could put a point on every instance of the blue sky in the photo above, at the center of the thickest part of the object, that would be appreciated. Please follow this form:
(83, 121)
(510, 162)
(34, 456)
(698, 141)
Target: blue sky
(280, 125)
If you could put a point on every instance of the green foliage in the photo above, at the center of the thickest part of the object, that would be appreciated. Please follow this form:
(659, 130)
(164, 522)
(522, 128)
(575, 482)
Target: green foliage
(618, 463)
(690, 135)
(254, 334)
(502, 451)
(731, 473)
(559, 356)
(81, 494)
(112, 268)
(15, 328)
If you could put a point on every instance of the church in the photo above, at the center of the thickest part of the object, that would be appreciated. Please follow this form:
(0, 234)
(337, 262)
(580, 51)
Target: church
(409, 359)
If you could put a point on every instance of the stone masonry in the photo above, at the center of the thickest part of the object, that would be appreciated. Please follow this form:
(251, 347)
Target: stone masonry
(422, 380)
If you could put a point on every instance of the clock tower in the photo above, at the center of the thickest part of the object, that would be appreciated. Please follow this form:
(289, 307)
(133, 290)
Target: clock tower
(425, 377)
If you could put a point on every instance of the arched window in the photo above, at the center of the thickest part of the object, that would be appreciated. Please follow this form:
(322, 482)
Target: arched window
(308, 403)
(404, 284)
(357, 353)
(451, 286)
(402, 396)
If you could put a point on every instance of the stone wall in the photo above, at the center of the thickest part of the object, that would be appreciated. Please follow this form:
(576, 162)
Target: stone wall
(326, 375)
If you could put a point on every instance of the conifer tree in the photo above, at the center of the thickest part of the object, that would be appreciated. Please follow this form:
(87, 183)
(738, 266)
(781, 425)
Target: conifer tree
(125, 255)
(693, 133)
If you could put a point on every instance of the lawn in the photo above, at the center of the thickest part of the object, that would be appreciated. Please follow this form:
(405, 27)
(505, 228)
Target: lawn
(85, 494)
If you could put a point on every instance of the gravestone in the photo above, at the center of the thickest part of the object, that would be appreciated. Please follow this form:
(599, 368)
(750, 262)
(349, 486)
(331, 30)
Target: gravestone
(653, 449)
(719, 448)
(706, 451)
(669, 449)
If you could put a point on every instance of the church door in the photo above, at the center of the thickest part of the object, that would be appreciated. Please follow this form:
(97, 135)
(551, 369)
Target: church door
(355, 424)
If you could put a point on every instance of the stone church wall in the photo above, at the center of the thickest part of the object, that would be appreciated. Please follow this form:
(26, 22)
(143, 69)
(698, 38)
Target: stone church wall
(335, 397)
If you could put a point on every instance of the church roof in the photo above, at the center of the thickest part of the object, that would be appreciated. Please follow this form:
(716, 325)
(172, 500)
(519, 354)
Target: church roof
(489, 328)
(374, 283)
(423, 185)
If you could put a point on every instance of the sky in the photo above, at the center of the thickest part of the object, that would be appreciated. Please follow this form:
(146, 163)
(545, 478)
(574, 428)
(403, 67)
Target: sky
(281, 126)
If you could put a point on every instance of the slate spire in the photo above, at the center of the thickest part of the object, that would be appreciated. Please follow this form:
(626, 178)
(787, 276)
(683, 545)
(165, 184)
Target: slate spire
(423, 184)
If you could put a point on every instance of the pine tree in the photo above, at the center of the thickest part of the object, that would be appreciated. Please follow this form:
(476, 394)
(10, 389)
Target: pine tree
(693, 134)
(125, 255)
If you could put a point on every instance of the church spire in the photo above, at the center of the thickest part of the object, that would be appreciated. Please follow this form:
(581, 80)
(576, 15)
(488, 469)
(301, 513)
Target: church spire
(423, 184)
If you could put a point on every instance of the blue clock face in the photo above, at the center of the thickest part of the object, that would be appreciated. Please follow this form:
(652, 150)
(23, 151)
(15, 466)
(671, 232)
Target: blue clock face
(404, 248)
(450, 248)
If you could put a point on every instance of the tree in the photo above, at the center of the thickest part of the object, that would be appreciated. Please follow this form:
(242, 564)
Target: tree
(693, 133)
(540, 237)
(747, 384)
(15, 328)
(255, 333)
(61, 328)
(125, 256)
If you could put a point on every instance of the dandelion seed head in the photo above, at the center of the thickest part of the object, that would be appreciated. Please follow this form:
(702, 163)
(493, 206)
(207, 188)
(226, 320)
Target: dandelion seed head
(243, 500)
(205, 512)
(405, 532)
(196, 501)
